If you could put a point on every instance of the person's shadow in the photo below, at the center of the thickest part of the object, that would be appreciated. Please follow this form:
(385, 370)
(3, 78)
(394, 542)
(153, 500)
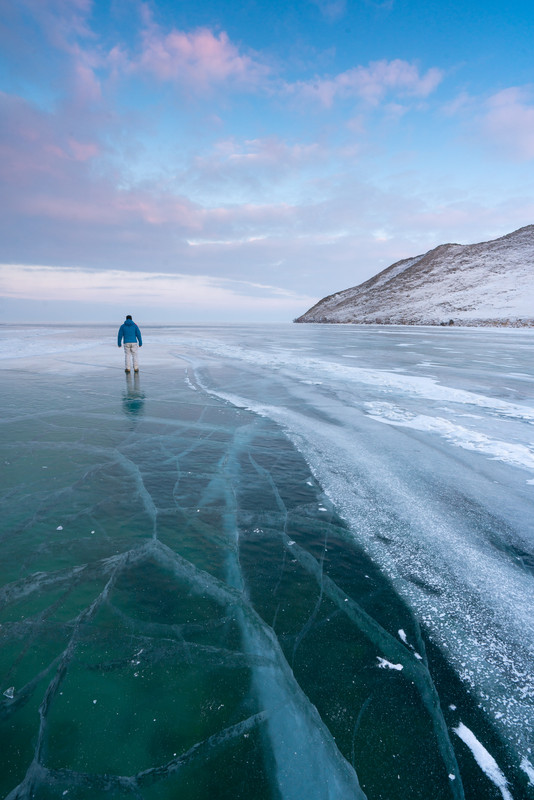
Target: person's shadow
(133, 399)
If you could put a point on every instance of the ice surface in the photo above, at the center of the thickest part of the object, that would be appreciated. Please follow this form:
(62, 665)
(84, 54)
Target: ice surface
(204, 565)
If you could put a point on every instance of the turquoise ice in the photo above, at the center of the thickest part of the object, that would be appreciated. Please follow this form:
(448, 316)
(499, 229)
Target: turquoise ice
(284, 563)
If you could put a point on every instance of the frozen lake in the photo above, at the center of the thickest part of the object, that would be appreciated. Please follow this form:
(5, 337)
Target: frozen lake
(291, 562)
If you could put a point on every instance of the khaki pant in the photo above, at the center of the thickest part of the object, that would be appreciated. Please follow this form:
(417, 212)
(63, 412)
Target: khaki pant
(130, 354)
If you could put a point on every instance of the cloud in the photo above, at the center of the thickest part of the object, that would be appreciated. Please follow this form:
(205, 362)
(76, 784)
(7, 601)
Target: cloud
(461, 103)
(370, 84)
(50, 177)
(201, 293)
(508, 122)
(62, 22)
(37, 145)
(200, 60)
(332, 10)
(268, 168)
(92, 179)
(50, 44)
(269, 152)
(298, 213)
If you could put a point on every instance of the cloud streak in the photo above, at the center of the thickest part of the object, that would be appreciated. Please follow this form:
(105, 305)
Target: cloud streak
(370, 84)
(150, 290)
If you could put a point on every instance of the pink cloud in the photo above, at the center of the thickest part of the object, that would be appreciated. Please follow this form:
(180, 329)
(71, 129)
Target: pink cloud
(371, 83)
(509, 122)
(62, 21)
(85, 85)
(47, 175)
(83, 151)
(34, 143)
(199, 59)
(51, 40)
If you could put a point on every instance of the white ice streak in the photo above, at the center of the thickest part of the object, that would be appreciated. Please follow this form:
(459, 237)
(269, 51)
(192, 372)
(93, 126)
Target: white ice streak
(306, 757)
(380, 379)
(484, 759)
(517, 454)
(527, 767)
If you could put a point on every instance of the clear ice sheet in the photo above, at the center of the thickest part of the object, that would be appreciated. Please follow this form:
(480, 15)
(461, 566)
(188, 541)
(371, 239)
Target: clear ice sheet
(280, 563)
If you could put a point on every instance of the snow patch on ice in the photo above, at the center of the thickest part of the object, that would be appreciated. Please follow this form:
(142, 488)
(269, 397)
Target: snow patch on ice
(484, 759)
(385, 664)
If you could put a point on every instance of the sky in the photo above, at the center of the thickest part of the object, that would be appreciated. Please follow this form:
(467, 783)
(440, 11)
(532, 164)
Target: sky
(207, 161)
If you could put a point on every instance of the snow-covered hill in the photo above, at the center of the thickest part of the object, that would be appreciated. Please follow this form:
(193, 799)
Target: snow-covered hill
(491, 283)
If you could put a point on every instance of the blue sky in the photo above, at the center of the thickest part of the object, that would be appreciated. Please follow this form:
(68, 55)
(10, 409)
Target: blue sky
(221, 161)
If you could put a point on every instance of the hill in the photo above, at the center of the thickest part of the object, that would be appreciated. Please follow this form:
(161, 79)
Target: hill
(491, 283)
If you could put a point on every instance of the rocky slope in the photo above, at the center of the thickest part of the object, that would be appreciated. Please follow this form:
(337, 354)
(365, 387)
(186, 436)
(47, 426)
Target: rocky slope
(491, 283)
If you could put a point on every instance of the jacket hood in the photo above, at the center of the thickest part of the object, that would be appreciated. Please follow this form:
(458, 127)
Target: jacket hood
(129, 322)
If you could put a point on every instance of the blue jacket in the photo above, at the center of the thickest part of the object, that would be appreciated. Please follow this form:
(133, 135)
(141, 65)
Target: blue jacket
(130, 332)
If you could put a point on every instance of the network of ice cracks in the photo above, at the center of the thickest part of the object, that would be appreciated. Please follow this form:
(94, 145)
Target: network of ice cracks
(468, 578)
(319, 770)
(153, 473)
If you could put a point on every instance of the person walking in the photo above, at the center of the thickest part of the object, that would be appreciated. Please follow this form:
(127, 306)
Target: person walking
(131, 335)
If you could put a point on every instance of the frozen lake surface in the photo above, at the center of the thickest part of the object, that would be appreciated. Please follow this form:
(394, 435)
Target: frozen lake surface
(290, 562)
